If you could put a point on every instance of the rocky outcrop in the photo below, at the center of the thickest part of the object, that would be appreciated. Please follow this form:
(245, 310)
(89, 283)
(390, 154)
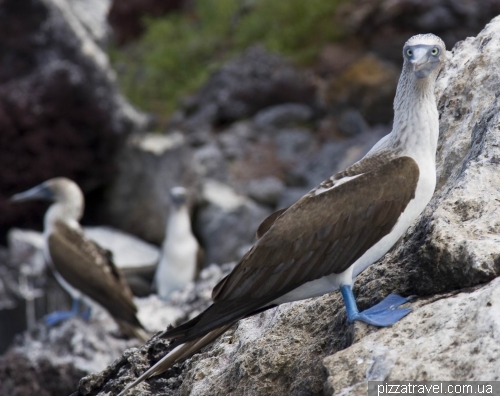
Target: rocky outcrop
(149, 166)
(449, 337)
(385, 25)
(369, 85)
(227, 222)
(50, 361)
(454, 245)
(58, 103)
(245, 85)
(92, 14)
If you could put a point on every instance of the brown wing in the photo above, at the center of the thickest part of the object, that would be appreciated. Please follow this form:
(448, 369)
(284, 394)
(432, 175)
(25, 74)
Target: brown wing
(90, 269)
(268, 222)
(317, 236)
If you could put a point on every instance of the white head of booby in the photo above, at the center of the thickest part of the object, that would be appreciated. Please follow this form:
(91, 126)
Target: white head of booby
(424, 54)
(68, 201)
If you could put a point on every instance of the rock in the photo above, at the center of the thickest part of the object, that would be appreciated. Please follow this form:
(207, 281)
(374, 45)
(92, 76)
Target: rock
(250, 83)
(352, 123)
(290, 196)
(227, 222)
(281, 116)
(12, 307)
(455, 244)
(128, 250)
(450, 338)
(385, 25)
(197, 296)
(149, 166)
(211, 162)
(234, 140)
(26, 246)
(126, 17)
(293, 145)
(335, 155)
(266, 191)
(58, 102)
(335, 58)
(92, 15)
(369, 85)
(19, 376)
(136, 259)
(52, 360)
(7, 295)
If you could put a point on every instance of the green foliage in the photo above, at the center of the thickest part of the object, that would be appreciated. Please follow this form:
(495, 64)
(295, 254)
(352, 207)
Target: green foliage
(177, 52)
(295, 28)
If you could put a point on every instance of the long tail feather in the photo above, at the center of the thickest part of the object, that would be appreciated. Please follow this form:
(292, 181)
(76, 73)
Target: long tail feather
(177, 354)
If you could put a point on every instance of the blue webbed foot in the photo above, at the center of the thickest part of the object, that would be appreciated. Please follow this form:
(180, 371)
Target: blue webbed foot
(383, 314)
(58, 317)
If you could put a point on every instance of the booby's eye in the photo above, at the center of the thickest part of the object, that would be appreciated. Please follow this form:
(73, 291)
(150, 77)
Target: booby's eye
(409, 52)
(435, 51)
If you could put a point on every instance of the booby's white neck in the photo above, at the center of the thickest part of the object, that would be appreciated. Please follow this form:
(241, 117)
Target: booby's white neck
(416, 120)
(178, 224)
(68, 208)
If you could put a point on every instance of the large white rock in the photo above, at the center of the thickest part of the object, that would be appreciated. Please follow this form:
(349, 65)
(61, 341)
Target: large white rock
(128, 250)
(226, 224)
(26, 246)
(450, 338)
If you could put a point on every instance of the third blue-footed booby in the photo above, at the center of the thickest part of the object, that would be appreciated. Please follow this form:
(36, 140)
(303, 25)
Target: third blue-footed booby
(182, 256)
(324, 240)
(83, 268)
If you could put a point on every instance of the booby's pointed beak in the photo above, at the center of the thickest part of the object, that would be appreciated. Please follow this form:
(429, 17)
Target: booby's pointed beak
(38, 192)
(422, 63)
(420, 59)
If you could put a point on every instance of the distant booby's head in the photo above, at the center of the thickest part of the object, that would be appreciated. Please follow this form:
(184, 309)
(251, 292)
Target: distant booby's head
(178, 196)
(60, 190)
(424, 54)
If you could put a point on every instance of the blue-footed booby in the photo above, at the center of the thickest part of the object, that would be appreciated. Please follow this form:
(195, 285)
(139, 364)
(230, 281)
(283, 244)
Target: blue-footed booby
(324, 240)
(84, 269)
(182, 256)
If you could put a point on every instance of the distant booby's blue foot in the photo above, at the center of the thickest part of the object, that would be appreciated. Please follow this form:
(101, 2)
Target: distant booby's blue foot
(383, 314)
(60, 316)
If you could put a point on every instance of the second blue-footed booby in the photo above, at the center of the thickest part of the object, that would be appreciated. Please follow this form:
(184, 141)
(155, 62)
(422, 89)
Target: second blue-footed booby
(182, 256)
(324, 240)
(84, 269)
